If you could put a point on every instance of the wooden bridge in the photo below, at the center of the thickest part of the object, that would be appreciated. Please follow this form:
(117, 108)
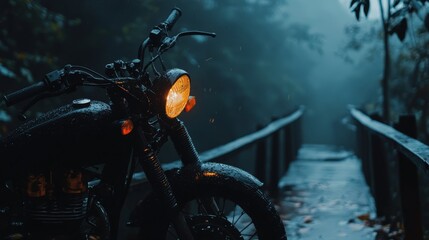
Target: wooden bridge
(329, 192)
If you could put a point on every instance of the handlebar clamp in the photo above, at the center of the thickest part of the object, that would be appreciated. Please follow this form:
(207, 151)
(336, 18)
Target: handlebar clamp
(51, 79)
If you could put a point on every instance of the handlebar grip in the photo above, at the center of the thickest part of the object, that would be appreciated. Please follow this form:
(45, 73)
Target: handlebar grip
(172, 18)
(25, 93)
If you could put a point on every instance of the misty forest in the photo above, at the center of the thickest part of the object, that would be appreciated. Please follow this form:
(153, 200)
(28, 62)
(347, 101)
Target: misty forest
(356, 70)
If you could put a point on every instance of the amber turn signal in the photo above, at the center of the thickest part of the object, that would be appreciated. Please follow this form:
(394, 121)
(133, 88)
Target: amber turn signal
(191, 103)
(127, 127)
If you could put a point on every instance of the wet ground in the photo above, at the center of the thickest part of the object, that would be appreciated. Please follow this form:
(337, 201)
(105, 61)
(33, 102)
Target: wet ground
(324, 196)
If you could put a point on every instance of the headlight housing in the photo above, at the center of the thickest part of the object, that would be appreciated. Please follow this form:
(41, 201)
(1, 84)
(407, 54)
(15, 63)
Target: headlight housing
(175, 88)
(177, 96)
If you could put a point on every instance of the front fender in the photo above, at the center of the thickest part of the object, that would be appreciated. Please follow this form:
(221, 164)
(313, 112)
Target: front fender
(211, 173)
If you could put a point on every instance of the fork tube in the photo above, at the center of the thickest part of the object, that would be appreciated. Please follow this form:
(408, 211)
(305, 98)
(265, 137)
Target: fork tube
(182, 142)
(159, 182)
(188, 154)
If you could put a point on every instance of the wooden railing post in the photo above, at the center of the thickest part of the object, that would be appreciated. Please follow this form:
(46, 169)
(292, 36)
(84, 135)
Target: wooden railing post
(366, 157)
(409, 184)
(288, 146)
(380, 177)
(379, 173)
(360, 144)
(293, 139)
(275, 158)
(261, 159)
(297, 128)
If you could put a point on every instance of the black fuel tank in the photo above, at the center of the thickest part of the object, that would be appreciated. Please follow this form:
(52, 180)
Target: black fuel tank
(75, 134)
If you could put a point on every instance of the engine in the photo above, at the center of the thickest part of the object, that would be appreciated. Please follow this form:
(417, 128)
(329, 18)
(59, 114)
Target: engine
(49, 205)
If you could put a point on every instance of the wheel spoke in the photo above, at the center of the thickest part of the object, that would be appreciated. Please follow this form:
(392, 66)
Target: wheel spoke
(253, 235)
(242, 213)
(246, 227)
(201, 208)
(223, 208)
(233, 214)
(91, 222)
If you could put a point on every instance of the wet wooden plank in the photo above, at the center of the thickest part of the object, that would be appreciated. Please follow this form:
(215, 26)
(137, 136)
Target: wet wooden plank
(323, 195)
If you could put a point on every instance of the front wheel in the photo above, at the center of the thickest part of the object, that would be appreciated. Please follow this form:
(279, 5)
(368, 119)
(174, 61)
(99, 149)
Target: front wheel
(216, 213)
(231, 210)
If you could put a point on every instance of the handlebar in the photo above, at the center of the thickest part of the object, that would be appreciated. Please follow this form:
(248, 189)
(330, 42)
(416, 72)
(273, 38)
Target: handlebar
(61, 81)
(25, 93)
(159, 40)
(50, 82)
(172, 18)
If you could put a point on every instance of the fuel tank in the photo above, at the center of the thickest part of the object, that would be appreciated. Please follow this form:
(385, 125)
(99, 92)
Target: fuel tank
(75, 135)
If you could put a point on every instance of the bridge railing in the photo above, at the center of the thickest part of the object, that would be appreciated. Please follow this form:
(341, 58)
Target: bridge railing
(276, 146)
(377, 145)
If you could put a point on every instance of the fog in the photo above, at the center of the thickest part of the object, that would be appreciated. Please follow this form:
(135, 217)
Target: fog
(333, 82)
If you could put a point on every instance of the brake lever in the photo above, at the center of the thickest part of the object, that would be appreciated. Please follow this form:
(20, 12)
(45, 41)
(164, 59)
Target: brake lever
(196, 33)
(168, 43)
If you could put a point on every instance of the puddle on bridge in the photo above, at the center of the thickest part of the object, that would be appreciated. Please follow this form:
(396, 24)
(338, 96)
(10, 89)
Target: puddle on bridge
(323, 194)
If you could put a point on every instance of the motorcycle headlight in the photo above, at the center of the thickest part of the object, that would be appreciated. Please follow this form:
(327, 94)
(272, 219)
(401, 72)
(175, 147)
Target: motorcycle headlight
(178, 92)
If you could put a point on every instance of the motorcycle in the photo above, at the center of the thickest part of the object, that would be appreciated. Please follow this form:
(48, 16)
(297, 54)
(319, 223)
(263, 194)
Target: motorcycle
(48, 162)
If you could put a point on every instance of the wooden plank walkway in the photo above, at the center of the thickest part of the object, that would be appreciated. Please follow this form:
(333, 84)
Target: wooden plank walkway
(323, 194)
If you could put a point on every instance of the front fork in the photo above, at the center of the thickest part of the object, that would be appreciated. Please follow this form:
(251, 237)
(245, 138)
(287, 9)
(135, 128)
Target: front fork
(182, 141)
(157, 178)
(188, 154)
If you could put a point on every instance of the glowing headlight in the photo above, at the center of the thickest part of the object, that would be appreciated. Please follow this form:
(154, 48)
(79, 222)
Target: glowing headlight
(178, 95)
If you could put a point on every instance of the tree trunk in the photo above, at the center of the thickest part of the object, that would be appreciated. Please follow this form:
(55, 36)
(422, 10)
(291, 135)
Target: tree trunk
(386, 70)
